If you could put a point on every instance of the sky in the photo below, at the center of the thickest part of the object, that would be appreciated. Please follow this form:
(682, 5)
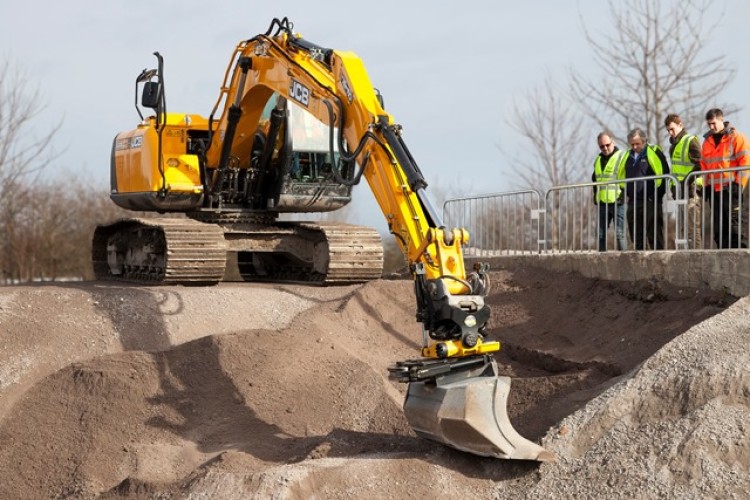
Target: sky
(449, 72)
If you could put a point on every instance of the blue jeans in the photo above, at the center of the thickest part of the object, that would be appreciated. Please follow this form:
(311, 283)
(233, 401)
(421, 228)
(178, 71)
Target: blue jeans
(607, 214)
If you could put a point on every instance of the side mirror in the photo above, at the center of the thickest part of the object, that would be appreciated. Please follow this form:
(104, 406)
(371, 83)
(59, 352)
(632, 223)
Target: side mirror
(150, 96)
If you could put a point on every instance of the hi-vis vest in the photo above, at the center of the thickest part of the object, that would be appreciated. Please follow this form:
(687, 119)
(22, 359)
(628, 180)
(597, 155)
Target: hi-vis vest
(681, 164)
(608, 193)
(653, 161)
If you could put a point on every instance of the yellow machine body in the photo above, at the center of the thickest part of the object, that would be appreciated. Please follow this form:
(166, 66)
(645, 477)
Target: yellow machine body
(146, 176)
(250, 160)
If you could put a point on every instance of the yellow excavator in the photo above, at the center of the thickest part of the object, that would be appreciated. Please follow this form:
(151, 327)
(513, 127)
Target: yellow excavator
(299, 125)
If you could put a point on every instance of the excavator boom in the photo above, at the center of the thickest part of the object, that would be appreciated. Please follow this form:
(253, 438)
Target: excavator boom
(252, 160)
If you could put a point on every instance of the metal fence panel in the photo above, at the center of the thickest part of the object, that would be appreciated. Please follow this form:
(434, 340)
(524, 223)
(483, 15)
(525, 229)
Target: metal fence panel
(567, 219)
(574, 218)
(498, 224)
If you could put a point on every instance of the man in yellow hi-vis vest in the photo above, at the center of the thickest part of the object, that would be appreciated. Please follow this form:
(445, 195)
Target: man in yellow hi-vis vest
(645, 217)
(685, 153)
(610, 198)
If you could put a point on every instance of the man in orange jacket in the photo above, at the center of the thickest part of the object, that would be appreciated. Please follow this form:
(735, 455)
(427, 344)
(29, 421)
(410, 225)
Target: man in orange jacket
(725, 147)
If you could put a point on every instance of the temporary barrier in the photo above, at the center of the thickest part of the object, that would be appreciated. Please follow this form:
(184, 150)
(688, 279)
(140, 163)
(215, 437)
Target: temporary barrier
(569, 219)
(716, 219)
(692, 215)
(576, 221)
(501, 223)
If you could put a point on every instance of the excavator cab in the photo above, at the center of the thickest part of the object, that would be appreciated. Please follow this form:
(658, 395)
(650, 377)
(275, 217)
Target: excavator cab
(307, 161)
(294, 165)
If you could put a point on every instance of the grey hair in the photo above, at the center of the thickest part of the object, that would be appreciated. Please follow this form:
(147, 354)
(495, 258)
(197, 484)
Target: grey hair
(637, 132)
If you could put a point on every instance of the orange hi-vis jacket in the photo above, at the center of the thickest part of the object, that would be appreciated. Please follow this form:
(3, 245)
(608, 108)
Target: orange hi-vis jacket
(732, 151)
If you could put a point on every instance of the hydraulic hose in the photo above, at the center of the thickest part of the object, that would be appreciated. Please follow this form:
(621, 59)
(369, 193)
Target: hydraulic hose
(233, 117)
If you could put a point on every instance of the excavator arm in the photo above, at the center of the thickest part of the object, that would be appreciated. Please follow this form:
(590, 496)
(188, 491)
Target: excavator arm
(334, 87)
(455, 395)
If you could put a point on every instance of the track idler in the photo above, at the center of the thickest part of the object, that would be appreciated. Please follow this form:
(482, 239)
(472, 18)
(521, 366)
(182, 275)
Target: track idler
(462, 403)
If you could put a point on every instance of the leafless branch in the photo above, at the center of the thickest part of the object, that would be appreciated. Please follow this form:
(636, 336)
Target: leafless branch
(552, 129)
(653, 60)
(23, 149)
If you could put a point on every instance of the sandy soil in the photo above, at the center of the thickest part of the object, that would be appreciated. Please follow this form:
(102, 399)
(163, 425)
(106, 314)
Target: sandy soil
(263, 391)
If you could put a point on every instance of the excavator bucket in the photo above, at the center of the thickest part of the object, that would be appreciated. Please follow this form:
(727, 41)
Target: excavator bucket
(467, 411)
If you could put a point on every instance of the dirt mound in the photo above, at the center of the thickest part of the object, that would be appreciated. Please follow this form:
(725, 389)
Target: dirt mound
(238, 391)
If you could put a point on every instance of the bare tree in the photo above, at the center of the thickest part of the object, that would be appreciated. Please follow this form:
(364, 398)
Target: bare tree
(47, 231)
(552, 128)
(654, 59)
(23, 151)
(558, 151)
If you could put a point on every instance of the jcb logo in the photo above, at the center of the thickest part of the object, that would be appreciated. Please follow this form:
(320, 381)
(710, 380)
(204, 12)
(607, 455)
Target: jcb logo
(128, 143)
(299, 93)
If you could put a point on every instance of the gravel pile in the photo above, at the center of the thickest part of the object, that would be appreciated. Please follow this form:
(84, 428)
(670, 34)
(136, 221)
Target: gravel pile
(675, 427)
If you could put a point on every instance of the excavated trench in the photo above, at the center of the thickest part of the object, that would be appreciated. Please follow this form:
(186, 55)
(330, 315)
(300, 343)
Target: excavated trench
(242, 390)
(566, 339)
(550, 388)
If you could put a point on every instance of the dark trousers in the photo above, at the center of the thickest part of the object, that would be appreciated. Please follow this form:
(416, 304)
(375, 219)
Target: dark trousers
(729, 217)
(645, 219)
(608, 213)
